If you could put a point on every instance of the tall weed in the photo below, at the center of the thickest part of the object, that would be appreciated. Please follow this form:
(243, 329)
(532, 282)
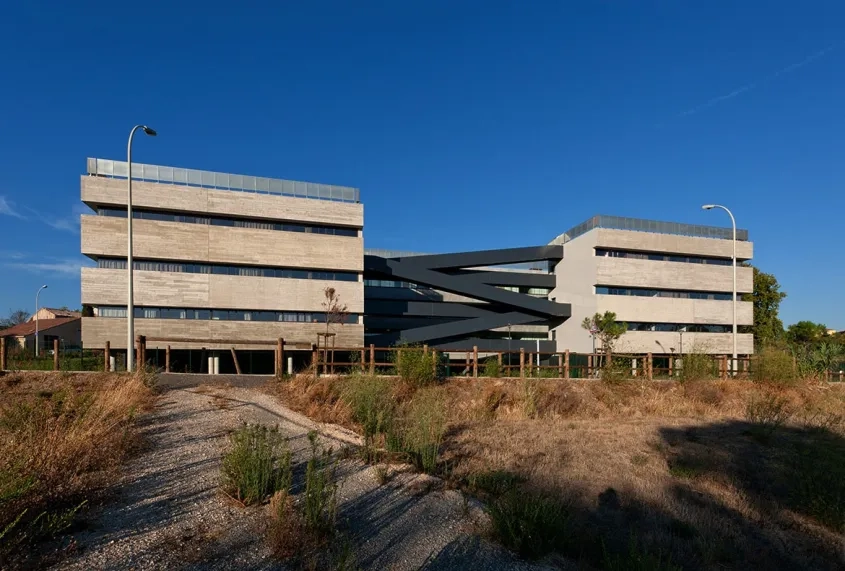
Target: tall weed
(371, 400)
(420, 432)
(415, 366)
(776, 367)
(257, 464)
(320, 508)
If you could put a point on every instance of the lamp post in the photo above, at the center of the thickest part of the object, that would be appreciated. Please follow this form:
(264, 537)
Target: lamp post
(733, 258)
(130, 303)
(36, 317)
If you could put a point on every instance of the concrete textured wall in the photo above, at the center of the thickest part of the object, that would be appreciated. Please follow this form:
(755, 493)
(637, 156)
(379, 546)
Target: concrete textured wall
(664, 341)
(575, 285)
(653, 242)
(671, 310)
(112, 192)
(628, 272)
(106, 236)
(97, 330)
(102, 286)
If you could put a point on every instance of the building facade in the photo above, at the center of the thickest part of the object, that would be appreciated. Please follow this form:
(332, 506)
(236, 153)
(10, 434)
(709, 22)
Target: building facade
(670, 283)
(220, 261)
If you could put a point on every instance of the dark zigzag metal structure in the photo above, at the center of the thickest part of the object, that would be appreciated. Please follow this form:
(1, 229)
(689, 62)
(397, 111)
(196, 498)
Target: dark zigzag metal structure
(427, 319)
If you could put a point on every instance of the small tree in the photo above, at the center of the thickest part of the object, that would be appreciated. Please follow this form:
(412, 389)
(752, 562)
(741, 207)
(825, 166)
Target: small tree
(15, 318)
(336, 313)
(606, 328)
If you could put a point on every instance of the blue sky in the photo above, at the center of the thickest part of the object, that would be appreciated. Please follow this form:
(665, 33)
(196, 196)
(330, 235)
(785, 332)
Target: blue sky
(465, 124)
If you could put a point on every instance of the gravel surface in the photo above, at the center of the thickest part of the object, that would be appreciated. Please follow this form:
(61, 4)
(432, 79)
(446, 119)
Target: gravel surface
(168, 512)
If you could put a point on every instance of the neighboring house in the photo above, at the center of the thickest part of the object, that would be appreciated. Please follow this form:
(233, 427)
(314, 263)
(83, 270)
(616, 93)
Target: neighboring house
(68, 330)
(52, 313)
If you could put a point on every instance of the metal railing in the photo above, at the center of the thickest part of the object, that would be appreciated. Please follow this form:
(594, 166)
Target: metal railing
(223, 181)
(641, 225)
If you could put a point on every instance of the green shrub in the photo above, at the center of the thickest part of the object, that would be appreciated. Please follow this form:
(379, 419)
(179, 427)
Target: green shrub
(320, 508)
(774, 367)
(421, 429)
(372, 403)
(529, 523)
(257, 464)
(416, 366)
(697, 367)
(491, 368)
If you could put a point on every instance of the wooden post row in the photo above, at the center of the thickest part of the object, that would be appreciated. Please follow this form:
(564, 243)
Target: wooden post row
(107, 357)
(372, 359)
(167, 359)
(55, 354)
(475, 361)
(2, 353)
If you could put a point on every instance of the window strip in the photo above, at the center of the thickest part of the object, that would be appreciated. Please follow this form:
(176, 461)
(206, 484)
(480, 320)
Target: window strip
(169, 216)
(228, 270)
(221, 314)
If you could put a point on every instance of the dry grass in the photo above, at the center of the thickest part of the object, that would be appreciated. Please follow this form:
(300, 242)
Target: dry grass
(655, 475)
(61, 438)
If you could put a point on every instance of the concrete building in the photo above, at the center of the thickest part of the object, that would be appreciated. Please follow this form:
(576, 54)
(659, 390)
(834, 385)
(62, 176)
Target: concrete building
(220, 261)
(670, 283)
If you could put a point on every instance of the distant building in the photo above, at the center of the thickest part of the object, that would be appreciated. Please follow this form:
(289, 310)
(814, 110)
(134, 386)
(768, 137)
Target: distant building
(68, 330)
(52, 313)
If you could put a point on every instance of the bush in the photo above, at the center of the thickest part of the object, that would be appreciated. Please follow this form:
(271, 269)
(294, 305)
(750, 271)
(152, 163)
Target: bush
(774, 367)
(420, 431)
(372, 403)
(491, 368)
(320, 508)
(257, 464)
(698, 367)
(415, 366)
(531, 524)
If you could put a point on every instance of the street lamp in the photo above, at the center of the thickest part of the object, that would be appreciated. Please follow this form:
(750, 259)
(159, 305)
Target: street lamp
(36, 317)
(130, 304)
(733, 224)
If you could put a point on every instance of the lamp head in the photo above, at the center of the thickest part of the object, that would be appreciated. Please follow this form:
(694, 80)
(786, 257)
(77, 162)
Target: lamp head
(45, 285)
(708, 207)
(149, 131)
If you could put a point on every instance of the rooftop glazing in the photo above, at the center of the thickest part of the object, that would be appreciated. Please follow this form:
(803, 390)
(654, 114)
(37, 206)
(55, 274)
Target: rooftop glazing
(640, 225)
(223, 181)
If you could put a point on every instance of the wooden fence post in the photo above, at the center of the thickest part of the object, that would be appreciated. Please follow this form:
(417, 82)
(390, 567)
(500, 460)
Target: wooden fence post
(566, 371)
(559, 366)
(372, 359)
(475, 361)
(2, 353)
(648, 365)
(143, 345)
(425, 349)
(725, 366)
(280, 348)
(167, 359)
(521, 363)
(55, 354)
(107, 357)
(590, 365)
(363, 359)
(235, 359)
(434, 361)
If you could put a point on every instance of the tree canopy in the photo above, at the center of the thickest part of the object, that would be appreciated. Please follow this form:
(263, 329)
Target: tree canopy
(767, 328)
(606, 328)
(805, 332)
(16, 317)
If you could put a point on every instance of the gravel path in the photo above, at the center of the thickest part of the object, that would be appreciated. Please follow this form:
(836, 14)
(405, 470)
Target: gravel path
(168, 512)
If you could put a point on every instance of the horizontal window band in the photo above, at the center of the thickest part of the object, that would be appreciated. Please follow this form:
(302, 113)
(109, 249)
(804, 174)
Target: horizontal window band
(662, 257)
(226, 270)
(230, 221)
(680, 327)
(666, 293)
(110, 311)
